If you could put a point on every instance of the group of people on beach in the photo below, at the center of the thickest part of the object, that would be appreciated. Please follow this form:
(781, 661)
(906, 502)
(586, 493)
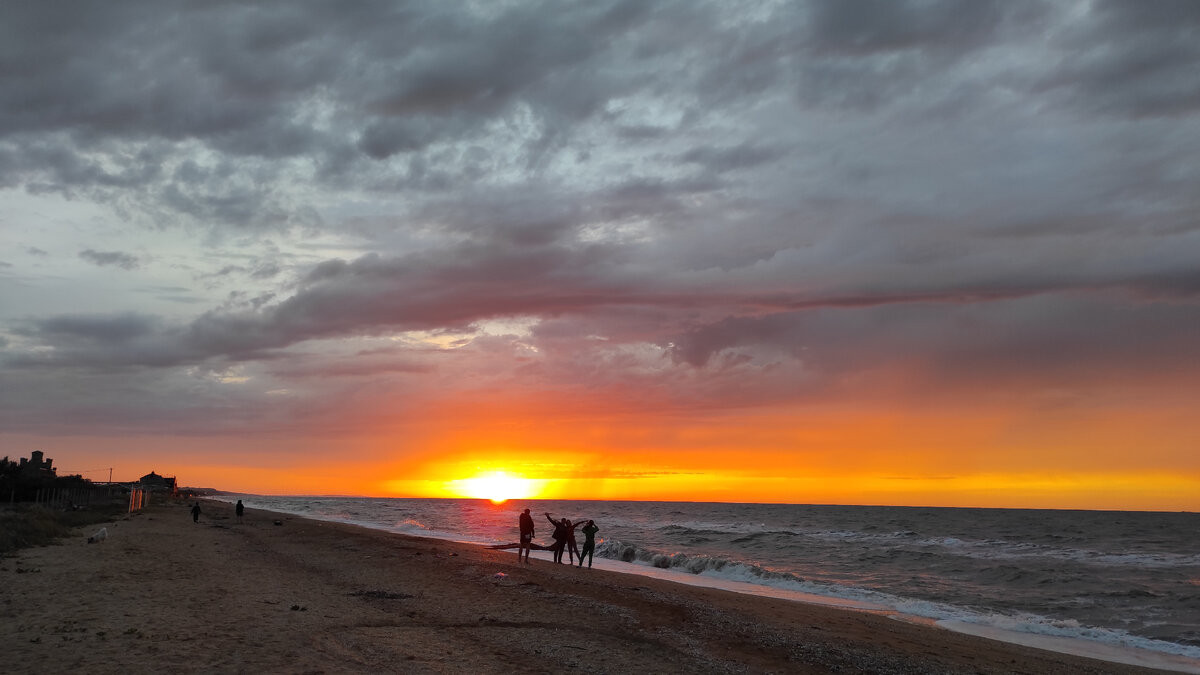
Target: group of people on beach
(564, 539)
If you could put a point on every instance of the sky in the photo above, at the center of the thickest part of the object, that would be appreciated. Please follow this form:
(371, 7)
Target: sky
(884, 252)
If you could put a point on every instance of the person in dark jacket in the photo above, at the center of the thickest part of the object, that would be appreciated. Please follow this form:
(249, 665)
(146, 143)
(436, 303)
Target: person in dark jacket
(526, 523)
(559, 536)
(589, 542)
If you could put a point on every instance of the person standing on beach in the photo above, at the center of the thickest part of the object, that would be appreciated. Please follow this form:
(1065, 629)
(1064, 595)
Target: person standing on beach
(572, 548)
(589, 542)
(196, 512)
(559, 536)
(240, 510)
(526, 523)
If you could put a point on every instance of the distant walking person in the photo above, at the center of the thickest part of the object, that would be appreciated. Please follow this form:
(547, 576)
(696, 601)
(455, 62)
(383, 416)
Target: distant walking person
(589, 543)
(559, 536)
(526, 523)
(196, 512)
(240, 510)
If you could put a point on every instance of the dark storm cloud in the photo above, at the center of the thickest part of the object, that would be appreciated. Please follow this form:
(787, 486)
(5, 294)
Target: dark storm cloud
(460, 287)
(125, 261)
(1132, 58)
(881, 26)
(119, 103)
(821, 184)
(867, 55)
(368, 296)
(1053, 341)
(81, 110)
(96, 328)
(734, 157)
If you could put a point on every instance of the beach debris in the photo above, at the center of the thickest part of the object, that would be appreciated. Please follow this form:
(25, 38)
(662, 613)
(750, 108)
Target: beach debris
(100, 536)
(499, 575)
(299, 608)
(279, 522)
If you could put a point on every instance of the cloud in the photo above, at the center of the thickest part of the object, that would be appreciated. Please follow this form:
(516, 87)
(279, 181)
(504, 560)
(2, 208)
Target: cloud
(125, 261)
(1131, 59)
(679, 204)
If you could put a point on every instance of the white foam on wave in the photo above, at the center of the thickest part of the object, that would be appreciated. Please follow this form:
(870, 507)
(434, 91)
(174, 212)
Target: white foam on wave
(737, 586)
(1129, 655)
(1064, 636)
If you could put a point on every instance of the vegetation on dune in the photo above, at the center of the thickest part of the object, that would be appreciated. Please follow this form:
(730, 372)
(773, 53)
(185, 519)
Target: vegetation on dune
(25, 525)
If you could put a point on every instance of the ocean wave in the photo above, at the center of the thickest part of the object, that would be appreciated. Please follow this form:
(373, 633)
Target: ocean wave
(756, 575)
(693, 564)
(689, 527)
(685, 531)
(995, 549)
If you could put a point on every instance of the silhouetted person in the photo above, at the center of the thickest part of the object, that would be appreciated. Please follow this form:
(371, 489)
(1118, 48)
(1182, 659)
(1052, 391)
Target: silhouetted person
(196, 512)
(526, 523)
(572, 549)
(559, 536)
(240, 510)
(589, 542)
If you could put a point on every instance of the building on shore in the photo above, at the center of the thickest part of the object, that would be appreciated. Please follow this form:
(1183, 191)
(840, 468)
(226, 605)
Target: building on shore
(152, 482)
(37, 466)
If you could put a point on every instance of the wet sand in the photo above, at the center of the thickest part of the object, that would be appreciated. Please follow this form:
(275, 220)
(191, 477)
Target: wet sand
(163, 594)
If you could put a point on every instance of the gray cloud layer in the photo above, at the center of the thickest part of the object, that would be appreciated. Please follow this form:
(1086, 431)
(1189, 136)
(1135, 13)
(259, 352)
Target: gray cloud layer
(822, 188)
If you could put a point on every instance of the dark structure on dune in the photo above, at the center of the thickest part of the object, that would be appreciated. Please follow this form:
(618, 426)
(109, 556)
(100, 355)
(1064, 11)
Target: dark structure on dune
(152, 482)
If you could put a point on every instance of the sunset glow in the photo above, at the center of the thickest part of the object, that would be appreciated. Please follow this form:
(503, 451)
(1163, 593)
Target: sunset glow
(496, 486)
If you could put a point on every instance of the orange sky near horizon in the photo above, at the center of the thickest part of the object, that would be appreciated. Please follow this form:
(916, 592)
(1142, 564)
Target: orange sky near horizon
(943, 457)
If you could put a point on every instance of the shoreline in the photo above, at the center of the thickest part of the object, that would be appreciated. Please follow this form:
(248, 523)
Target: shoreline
(319, 596)
(1106, 650)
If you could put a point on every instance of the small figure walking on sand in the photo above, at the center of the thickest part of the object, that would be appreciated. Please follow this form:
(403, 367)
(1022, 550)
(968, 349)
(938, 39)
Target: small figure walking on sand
(526, 523)
(196, 512)
(239, 510)
(589, 543)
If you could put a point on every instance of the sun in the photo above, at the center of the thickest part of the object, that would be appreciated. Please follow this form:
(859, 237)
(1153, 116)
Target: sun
(497, 486)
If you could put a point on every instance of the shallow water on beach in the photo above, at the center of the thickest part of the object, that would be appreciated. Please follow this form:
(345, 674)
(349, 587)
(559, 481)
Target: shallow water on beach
(1129, 579)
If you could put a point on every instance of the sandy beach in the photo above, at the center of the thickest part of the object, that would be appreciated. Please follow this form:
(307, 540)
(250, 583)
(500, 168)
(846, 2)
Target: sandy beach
(162, 594)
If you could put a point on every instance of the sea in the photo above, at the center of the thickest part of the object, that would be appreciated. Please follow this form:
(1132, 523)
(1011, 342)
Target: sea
(1117, 585)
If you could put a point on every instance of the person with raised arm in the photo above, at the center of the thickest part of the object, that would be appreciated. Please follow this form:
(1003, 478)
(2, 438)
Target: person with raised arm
(559, 536)
(572, 548)
(589, 542)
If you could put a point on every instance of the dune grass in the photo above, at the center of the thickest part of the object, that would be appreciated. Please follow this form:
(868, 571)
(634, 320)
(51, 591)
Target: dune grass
(25, 525)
